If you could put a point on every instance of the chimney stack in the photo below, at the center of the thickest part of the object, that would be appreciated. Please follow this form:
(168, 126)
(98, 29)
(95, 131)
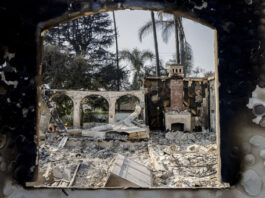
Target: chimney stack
(176, 73)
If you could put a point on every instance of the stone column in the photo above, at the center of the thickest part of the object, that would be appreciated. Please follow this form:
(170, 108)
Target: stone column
(142, 104)
(112, 103)
(76, 114)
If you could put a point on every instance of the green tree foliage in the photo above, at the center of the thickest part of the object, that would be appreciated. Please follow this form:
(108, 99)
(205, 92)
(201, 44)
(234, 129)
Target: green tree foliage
(54, 67)
(127, 99)
(94, 109)
(61, 71)
(137, 59)
(89, 36)
(81, 58)
(64, 107)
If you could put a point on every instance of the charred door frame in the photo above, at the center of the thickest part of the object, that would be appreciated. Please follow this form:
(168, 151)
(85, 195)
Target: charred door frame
(88, 8)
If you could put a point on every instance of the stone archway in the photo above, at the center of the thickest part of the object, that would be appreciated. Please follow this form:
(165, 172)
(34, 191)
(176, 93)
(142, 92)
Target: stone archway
(110, 96)
(94, 108)
(125, 105)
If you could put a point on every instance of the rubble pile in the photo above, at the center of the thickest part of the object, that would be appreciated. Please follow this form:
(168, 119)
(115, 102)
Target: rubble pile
(184, 160)
(176, 159)
(94, 156)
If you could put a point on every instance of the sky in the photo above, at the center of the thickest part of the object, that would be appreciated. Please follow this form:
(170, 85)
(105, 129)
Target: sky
(199, 36)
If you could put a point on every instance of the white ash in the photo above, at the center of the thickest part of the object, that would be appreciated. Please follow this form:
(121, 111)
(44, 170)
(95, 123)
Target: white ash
(186, 159)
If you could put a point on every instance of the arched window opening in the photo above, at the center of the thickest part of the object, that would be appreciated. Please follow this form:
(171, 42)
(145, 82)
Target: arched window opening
(124, 106)
(94, 110)
(64, 107)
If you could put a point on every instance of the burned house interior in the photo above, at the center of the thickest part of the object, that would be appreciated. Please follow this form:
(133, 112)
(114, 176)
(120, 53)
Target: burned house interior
(80, 117)
(153, 128)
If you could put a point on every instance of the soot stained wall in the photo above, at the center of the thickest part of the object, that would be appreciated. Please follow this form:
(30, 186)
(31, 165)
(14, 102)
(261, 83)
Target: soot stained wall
(240, 68)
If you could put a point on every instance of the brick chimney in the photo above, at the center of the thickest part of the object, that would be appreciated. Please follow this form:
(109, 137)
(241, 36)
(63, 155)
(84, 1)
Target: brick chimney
(176, 74)
(176, 94)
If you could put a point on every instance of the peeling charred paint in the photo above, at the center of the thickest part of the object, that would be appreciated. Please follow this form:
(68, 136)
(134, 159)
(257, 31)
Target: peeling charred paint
(240, 27)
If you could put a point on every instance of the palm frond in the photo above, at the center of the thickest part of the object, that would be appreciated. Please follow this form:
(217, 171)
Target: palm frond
(145, 30)
(147, 55)
(167, 27)
(127, 55)
(162, 15)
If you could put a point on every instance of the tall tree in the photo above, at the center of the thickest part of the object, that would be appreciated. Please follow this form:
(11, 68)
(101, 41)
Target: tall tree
(63, 71)
(84, 42)
(155, 43)
(167, 23)
(117, 48)
(137, 59)
(89, 36)
(142, 30)
(176, 25)
(172, 24)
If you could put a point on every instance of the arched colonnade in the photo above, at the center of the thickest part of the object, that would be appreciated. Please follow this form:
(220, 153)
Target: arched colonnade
(110, 96)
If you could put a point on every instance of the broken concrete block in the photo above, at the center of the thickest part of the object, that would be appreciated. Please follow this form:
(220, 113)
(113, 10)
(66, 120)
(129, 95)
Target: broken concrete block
(128, 173)
(94, 134)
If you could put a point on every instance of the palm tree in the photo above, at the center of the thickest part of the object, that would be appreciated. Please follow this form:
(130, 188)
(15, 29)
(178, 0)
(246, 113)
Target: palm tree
(169, 24)
(155, 43)
(137, 60)
(151, 26)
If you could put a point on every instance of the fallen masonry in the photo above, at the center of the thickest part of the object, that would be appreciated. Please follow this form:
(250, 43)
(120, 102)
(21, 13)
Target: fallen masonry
(128, 128)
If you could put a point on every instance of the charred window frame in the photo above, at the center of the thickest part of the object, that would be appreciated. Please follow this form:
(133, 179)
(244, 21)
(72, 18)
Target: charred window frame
(45, 26)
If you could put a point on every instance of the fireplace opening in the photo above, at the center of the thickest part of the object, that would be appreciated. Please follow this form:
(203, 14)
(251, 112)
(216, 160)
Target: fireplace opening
(177, 127)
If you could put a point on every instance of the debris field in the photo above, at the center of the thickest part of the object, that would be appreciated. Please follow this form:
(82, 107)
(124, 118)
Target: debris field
(172, 159)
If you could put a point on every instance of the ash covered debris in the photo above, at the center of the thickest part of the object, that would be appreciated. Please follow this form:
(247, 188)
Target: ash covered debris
(175, 159)
(128, 128)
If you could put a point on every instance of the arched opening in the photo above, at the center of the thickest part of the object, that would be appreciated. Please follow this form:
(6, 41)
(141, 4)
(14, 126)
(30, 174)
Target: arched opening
(175, 91)
(64, 106)
(125, 105)
(94, 111)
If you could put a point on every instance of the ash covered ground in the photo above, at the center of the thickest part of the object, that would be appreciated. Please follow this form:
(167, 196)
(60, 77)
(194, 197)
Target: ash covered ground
(176, 159)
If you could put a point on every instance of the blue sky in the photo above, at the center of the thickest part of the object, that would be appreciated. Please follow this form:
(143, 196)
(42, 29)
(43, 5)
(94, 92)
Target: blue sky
(199, 36)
